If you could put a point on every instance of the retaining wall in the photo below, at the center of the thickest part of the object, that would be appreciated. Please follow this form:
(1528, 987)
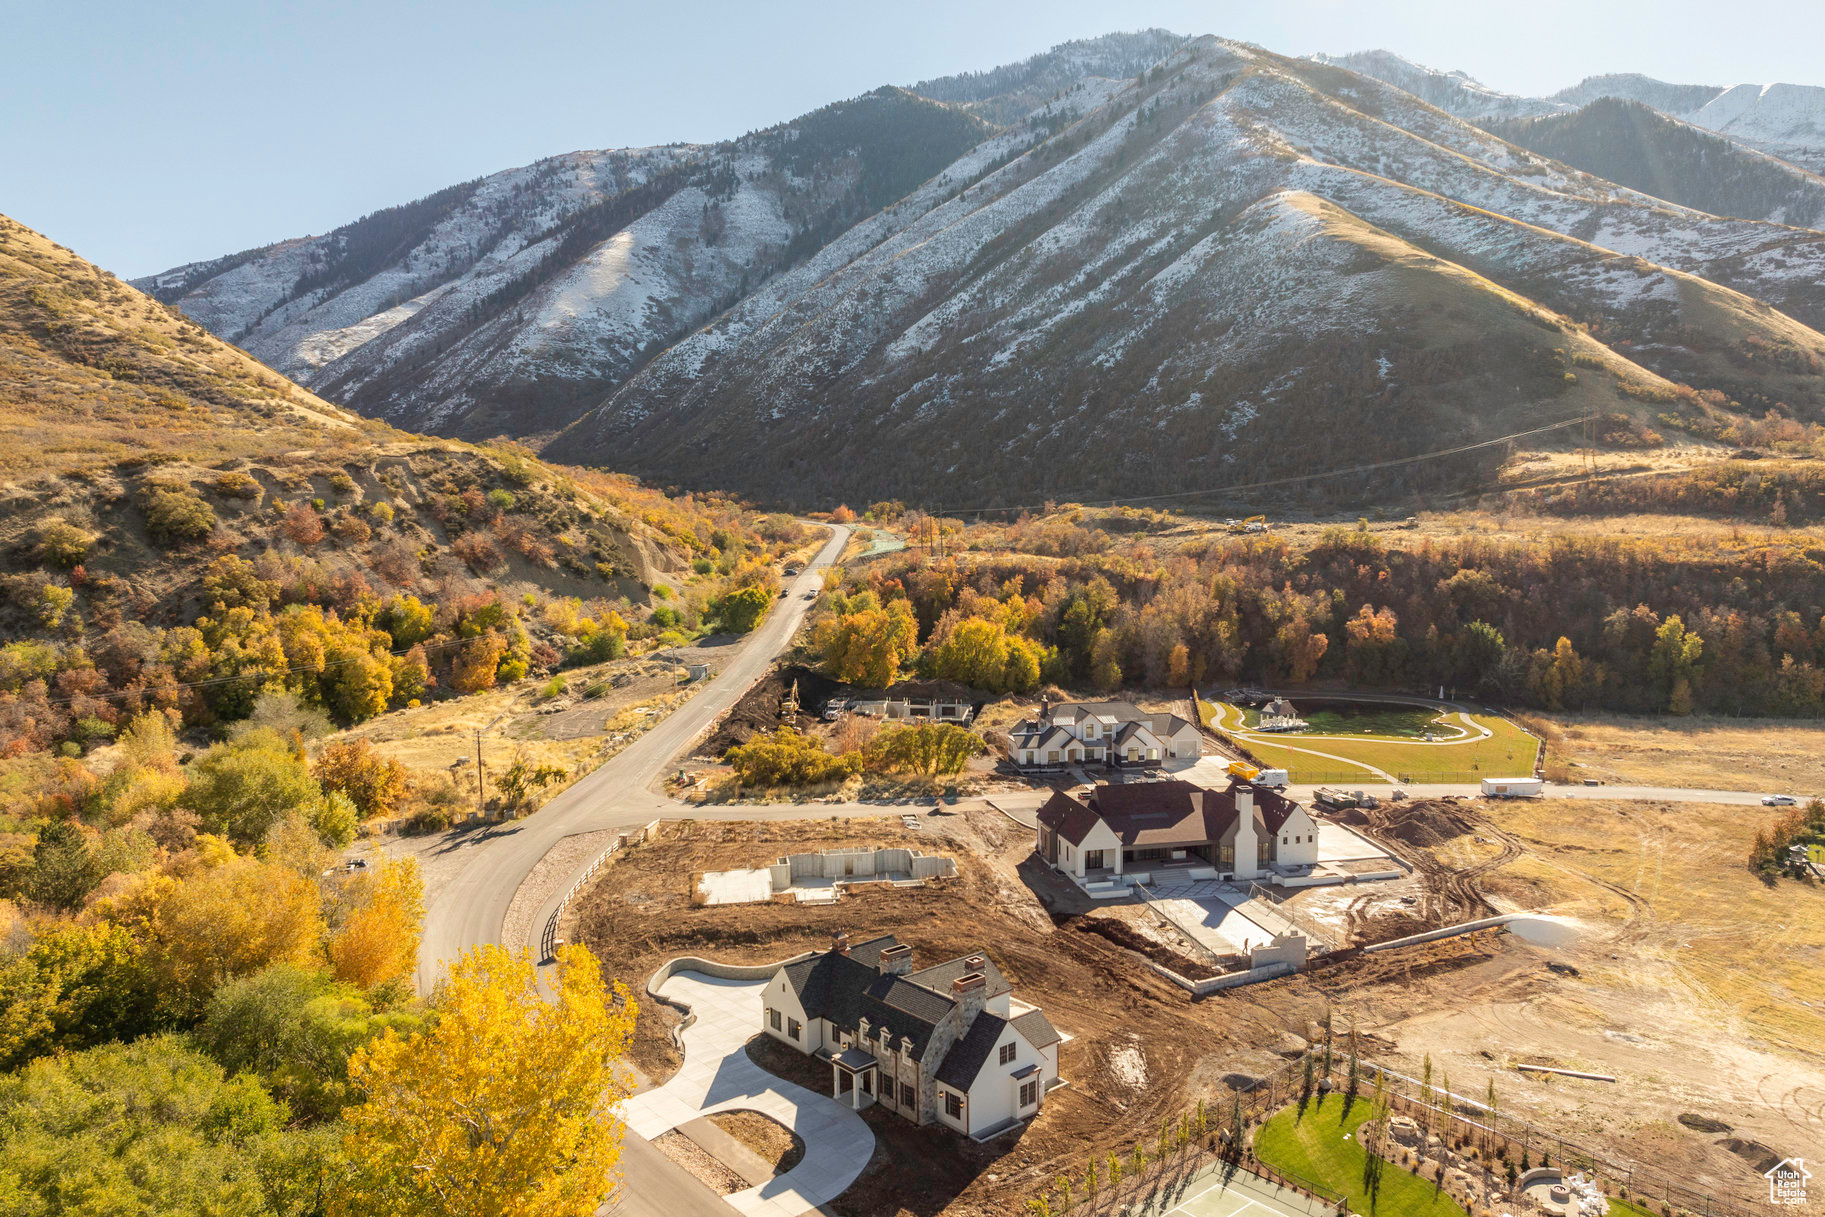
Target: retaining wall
(1229, 980)
(709, 967)
(1446, 932)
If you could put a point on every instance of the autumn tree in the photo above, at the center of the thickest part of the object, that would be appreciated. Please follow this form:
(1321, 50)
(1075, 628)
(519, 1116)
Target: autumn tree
(504, 1108)
(740, 611)
(374, 782)
(930, 749)
(378, 941)
(242, 787)
(869, 644)
(788, 758)
(226, 921)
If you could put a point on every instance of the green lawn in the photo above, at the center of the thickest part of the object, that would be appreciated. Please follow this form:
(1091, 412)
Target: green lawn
(1507, 753)
(1628, 1208)
(1816, 852)
(1316, 1149)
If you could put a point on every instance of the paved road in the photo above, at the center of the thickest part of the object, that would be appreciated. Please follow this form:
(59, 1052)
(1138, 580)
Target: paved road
(470, 909)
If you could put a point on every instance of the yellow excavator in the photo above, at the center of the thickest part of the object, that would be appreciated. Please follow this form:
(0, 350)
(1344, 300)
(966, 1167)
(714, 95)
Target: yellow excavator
(1252, 524)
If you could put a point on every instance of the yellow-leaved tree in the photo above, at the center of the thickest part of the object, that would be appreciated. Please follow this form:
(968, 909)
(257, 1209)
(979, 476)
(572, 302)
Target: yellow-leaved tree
(379, 940)
(506, 1108)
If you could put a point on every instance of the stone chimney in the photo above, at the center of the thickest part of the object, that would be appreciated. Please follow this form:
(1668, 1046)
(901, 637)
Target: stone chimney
(971, 993)
(839, 942)
(896, 960)
(1246, 841)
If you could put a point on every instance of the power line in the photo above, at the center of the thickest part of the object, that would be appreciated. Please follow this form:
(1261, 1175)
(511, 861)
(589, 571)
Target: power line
(1295, 479)
(255, 675)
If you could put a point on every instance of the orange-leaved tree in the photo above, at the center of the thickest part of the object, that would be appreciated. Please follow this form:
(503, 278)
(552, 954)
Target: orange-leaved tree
(506, 1108)
(379, 940)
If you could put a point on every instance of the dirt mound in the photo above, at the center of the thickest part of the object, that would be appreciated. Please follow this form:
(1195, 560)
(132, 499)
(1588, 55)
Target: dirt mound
(1425, 824)
(1124, 935)
(1702, 1123)
(758, 710)
(1760, 1158)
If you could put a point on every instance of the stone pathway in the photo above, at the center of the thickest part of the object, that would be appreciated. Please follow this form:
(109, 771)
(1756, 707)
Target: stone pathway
(717, 1075)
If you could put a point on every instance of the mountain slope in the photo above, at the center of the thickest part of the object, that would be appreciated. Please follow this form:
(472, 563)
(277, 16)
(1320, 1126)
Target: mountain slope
(1633, 145)
(513, 303)
(1783, 120)
(1007, 94)
(1244, 266)
(127, 425)
(96, 372)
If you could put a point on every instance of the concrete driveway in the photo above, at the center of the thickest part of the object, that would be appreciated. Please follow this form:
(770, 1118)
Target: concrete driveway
(717, 1075)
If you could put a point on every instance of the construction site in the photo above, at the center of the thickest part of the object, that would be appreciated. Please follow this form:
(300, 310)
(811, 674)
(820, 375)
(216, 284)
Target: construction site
(1656, 1013)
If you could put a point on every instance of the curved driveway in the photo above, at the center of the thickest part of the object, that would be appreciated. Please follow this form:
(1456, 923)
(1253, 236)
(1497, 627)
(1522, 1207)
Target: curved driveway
(470, 909)
(718, 1075)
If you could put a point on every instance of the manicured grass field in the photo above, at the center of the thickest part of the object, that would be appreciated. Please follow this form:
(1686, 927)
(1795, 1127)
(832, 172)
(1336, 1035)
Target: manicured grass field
(1508, 752)
(1315, 1147)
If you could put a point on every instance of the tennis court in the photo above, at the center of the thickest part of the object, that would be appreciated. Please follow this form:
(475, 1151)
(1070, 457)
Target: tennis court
(1242, 1195)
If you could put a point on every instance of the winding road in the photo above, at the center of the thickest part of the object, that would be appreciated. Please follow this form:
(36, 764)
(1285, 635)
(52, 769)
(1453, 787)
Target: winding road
(472, 908)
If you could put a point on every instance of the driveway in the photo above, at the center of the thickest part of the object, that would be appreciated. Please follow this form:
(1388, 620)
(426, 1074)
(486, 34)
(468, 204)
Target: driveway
(717, 1075)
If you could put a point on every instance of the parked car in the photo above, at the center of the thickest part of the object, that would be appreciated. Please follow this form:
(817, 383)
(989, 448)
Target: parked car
(791, 571)
(810, 596)
(1778, 800)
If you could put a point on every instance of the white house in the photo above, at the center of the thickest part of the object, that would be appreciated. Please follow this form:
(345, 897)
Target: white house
(1241, 832)
(1111, 733)
(941, 701)
(948, 1044)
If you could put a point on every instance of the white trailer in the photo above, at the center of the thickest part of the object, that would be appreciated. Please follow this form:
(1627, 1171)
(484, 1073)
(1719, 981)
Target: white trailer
(1513, 788)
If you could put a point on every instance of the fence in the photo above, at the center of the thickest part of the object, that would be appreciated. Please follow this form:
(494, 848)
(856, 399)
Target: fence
(548, 938)
(1494, 1134)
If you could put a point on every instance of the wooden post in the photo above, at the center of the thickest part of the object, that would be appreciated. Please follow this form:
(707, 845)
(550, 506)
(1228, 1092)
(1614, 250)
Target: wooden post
(481, 780)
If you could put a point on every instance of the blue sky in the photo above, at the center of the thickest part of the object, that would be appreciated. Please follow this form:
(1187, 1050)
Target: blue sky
(143, 135)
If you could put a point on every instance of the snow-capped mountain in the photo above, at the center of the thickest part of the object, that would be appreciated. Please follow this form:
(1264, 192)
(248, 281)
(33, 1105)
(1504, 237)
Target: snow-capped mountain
(1785, 120)
(1237, 267)
(515, 303)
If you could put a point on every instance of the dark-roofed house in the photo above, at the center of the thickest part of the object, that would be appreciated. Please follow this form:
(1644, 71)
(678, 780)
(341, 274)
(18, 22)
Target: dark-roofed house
(1243, 831)
(949, 1043)
(1113, 733)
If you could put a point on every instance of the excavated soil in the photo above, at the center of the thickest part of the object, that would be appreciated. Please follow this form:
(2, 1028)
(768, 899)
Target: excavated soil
(758, 711)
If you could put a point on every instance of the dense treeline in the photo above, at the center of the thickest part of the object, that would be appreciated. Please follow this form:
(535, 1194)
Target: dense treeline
(1633, 625)
(1773, 492)
(900, 139)
(369, 245)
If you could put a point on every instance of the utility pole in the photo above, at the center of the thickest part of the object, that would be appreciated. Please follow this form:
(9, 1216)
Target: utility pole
(481, 781)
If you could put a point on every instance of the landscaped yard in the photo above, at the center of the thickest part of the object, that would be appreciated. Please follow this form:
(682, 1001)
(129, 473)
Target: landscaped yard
(1322, 1147)
(1508, 751)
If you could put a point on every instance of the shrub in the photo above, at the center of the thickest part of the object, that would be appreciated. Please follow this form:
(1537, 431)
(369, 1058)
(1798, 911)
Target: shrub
(501, 500)
(477, 553)
(381, 511)
(703, 566)
(787, 758)
(303, 525)
(236, 485)
(176, 515)
(61, 543)
(342, 483)
(351, 530)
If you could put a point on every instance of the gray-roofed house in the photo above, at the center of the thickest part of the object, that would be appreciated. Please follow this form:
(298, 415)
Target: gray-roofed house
(949, 1044)
(1116, 734)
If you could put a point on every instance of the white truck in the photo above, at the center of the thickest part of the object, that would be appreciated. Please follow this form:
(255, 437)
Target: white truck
(1513, 788)
(1277, 778)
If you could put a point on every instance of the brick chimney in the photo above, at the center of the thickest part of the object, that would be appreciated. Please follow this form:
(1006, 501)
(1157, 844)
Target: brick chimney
(971, 993)
(839, 943)
(896, 960)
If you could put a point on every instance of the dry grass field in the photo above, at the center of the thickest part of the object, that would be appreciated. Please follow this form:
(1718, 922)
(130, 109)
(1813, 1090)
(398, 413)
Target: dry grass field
(1773, 755)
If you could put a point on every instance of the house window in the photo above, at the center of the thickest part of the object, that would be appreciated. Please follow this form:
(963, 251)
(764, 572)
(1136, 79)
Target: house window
(1029, 1093)
(1007, 1054)
(908, 1096)
(953, 1105)
(792, 1027)
(773, 1017)
(1052, 757)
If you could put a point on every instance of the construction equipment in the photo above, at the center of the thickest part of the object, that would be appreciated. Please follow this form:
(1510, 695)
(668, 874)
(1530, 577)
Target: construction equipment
(1243, 770)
